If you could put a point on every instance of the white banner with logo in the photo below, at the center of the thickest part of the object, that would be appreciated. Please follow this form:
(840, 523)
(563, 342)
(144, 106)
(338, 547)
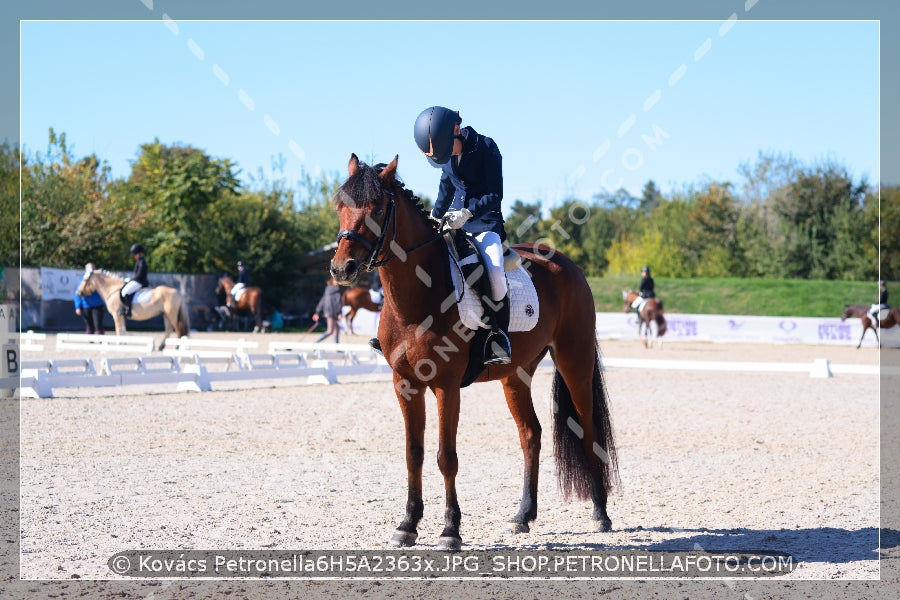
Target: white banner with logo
(763, 330)
(720, 328)
(59, 284)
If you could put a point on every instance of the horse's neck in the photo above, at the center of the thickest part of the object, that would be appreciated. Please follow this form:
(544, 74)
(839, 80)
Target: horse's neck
(415, 284)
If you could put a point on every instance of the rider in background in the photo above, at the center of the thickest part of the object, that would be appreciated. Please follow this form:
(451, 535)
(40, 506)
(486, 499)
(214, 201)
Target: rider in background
(469, 196)
(138, 279)
(882, 302)
(646, 289)
(243, 280)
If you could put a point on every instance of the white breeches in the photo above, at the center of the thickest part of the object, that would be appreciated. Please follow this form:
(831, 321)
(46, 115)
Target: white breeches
(131, 287)
(491, 249)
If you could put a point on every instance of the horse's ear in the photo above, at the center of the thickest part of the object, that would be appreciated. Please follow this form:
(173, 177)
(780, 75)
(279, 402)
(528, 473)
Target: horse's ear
(389, 173)
(353, 166)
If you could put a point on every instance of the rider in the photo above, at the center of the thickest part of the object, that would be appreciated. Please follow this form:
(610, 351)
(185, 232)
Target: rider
(469, 195)
(882, 302)
(138, 279)
(646, 290)
(243, 280)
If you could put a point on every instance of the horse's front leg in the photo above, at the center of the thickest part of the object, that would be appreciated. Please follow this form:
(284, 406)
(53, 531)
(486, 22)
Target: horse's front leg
(448, 463)
(412, 405)
(119, 322)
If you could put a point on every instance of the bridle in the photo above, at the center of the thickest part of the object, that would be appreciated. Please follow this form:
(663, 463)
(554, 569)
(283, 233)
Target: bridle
(375, 249)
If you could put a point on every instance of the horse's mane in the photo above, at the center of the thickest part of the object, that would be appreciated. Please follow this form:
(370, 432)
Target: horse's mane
(363, 187)
(110, 274)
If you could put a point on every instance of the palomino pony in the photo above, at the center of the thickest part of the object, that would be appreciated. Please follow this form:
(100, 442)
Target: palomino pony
(163, 299)
(384, 226)
(250, 301)
(653, 323)
(357, 298)
(857, 310)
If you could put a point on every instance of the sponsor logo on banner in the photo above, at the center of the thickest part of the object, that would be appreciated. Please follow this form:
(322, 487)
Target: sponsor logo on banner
(683, 328)
(834, 332)
(59, 284)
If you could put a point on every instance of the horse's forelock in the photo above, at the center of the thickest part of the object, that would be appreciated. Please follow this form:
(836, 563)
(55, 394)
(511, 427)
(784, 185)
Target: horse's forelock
(362, 189)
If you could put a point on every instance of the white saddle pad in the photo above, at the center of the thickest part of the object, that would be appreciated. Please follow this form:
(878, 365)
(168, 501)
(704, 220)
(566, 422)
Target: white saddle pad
(142, 296)
(524, 306)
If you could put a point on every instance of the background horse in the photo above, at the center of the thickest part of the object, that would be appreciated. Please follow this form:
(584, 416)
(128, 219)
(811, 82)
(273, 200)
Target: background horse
(250, 301)
(384, 226)
(653, 323)
(862, 311)
(163, 299)
(357, 298)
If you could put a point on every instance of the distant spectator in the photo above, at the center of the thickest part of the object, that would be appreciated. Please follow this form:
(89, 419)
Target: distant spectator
(330, 307)
(92, 309)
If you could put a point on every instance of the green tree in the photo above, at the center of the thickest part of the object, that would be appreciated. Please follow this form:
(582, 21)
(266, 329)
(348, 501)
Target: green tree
(63, 207)
(524, 222)
(10, 170)
(175, 185)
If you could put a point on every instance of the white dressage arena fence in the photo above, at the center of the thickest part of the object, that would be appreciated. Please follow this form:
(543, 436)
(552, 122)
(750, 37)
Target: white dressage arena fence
(199, 365)
(201, 374)
(105, 343)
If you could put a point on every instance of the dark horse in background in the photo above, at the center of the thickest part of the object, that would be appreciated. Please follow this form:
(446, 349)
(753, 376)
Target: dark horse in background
(862, 311)
(383, 225)
(250, 301)
(653, 323)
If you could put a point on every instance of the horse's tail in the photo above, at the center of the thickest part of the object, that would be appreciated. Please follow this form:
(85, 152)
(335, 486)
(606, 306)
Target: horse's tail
(183, 326)
(573, 466)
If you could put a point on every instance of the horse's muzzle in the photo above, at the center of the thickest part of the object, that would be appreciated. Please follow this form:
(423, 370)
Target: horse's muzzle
(345, 273)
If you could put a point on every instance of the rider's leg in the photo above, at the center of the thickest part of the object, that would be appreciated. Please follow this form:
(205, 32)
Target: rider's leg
(497, 346)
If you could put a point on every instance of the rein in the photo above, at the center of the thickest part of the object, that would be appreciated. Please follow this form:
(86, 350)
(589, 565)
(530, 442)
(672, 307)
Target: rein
(375, 249)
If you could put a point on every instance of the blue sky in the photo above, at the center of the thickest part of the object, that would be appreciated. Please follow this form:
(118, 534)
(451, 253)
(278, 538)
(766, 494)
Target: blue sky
(575, 107)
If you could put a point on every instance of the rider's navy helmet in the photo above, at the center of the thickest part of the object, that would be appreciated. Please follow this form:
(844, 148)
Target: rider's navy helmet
(645, 269)
(434, 132)
(135, 248)
(240, 263)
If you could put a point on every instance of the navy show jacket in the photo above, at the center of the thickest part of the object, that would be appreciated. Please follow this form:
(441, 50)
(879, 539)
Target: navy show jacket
(475, 183)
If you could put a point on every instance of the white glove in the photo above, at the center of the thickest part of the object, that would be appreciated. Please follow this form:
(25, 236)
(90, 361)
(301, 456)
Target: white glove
(457, 218)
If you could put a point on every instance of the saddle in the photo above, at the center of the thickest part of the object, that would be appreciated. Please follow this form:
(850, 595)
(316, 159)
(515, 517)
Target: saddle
(141, 296)
(470, 281)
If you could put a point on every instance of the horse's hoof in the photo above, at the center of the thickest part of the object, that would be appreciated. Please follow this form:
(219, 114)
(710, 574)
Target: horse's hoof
(604, 525)
(516, 527)
(404, 538)
(448, 543)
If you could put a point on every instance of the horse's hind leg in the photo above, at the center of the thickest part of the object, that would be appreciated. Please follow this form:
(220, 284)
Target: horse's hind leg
(521, 407)
(412, 405)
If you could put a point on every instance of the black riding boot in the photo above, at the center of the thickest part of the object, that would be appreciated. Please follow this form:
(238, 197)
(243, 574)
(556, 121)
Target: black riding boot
(497, 350)
(126, 305)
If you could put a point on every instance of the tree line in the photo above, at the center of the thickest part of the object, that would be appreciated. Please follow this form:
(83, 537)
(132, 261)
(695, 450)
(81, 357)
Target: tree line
(784, 219)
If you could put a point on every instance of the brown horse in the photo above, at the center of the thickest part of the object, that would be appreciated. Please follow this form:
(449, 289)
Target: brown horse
(163, 299)
(357, 298)
(862, 311)
(250, 301)
(383, 225)
(653, 324)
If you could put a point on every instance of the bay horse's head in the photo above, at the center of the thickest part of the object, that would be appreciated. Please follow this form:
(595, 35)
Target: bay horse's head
(628, 297)
(848, 312)
(365, 207)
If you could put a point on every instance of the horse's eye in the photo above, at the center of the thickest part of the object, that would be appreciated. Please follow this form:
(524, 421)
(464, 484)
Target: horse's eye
(378, 211)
